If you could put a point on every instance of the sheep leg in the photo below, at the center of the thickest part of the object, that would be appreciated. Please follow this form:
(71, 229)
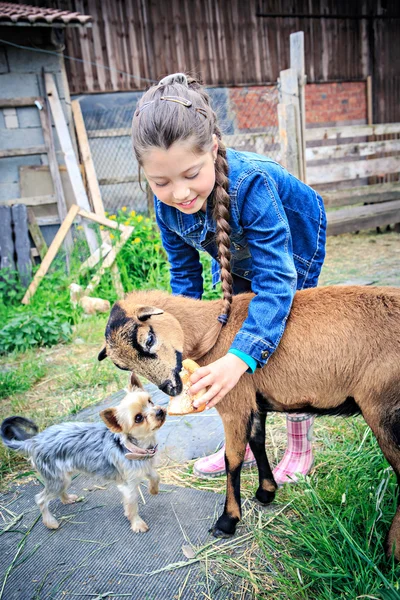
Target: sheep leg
(386, 428)
(236, 437)
(267, 485)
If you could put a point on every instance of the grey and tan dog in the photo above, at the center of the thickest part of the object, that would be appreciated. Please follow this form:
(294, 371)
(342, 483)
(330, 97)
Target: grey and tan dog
(121, 449)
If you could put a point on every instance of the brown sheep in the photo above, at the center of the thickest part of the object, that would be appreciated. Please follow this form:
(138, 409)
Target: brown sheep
(339, 355)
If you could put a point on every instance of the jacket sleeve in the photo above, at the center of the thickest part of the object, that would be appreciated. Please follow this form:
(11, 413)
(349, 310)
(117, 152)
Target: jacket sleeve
(185, 266)
(274, 275)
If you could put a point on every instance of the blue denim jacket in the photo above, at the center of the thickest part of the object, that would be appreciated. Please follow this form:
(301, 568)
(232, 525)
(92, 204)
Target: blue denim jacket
(277, 242)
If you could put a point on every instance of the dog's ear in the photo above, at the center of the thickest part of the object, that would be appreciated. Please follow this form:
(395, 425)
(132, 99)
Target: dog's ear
(109, 416)
(102, 354)
(134, 382)
(145, 312)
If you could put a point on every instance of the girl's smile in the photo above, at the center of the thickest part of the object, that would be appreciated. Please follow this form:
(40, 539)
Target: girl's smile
(181, 177)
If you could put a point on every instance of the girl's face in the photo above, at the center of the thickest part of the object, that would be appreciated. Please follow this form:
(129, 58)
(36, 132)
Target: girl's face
(179, 177)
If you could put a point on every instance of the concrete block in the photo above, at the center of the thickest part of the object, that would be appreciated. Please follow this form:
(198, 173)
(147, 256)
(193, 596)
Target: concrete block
(9, 112)
(9, 167)
(8, 191)
(28, 117)
(21, 138)
(11, 121)
(13, 85)
(21, 61)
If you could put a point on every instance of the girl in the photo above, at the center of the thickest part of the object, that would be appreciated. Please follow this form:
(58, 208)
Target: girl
(264, 228)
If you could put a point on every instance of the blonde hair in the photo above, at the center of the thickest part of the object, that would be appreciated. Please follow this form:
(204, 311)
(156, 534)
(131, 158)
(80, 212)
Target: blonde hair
(178, 109)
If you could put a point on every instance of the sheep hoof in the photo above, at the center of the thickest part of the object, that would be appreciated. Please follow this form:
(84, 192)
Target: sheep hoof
(263, 498)
(218, 533)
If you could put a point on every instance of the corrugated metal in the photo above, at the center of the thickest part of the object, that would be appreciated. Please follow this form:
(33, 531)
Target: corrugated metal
(236, 43)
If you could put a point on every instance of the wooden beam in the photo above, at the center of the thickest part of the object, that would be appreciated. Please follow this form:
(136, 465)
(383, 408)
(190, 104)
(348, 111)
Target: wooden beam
(297, 62)
(93, 185)
(33, 150)
(355, 150)
(30, 200)
(356, 218)
(69, 155)
(52, 251)
(350, 131)
(288, 136)
(36, 234)
(47, 130)
(100, 220)
(380, 192)
(20, 102)
(353, 170)
(289, 95)
(96, 257)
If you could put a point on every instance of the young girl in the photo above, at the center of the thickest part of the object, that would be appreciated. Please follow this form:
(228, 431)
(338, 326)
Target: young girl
(264, 228)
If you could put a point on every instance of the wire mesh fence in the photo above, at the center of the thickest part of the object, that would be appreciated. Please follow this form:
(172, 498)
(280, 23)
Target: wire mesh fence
(248, 118)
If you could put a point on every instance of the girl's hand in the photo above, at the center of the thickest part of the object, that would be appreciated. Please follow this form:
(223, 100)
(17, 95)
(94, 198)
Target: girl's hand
(221, 376)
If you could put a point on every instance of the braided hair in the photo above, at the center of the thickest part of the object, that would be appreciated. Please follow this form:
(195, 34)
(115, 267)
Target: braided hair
(158, 124)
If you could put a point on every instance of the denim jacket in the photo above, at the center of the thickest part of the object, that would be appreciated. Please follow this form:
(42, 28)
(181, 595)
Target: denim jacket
(277, 242)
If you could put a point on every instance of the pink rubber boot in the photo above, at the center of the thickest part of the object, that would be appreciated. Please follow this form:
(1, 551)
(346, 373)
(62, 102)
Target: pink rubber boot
(298, 457)
(214, 465)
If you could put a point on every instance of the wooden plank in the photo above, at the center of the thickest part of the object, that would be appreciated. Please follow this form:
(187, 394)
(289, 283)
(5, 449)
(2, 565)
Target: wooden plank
(297, 62)
(70, 158)
(30, 201)
(110, 258)
(288, 135)
(96, 257)
(53, 249)
(117, 180)
(353, 170)
(289, 95)
(36, 234)
(354, 150)
(22, 243)
(6, 240)
(381, 192)
(357, 218)
(350, 131)
(100, 220)
(47, 130)
(19, 102)
(32, 151)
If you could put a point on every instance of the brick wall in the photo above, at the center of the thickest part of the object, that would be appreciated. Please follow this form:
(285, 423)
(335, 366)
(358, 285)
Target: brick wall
(254, 108)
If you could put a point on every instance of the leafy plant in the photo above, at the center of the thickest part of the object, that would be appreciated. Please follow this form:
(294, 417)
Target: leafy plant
(27, 329)
(21, 379)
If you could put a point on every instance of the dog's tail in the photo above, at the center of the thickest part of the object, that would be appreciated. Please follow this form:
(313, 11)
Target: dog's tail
(15, 431)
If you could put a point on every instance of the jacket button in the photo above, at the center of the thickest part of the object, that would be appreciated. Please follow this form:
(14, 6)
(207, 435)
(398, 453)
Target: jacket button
(264, 354)
(246, 273)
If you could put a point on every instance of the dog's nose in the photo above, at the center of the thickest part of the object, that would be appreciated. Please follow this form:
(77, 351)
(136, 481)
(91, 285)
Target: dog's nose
(160, 414)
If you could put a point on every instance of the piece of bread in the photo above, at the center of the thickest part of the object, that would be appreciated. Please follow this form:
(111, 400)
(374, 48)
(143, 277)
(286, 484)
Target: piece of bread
(183, 404)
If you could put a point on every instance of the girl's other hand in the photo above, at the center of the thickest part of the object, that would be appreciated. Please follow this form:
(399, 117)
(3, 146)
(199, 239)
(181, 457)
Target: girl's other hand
(220, 376)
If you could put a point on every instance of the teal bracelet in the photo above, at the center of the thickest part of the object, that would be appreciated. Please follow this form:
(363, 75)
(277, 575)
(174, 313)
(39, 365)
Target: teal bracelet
(249, 360)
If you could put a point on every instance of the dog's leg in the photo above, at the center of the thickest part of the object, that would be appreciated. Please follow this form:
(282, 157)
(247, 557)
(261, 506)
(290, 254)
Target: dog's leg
(42, 500)
(64, 497)
(237, 432)
(154, 481)
(130, 500)
(267, 486)
(386, 428)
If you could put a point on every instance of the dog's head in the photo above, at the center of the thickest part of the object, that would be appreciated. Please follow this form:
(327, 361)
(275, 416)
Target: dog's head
(136, 414)
(147, 341)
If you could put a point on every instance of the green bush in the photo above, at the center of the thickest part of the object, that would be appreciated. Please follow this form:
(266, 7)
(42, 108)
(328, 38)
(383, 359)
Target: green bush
(26, 330)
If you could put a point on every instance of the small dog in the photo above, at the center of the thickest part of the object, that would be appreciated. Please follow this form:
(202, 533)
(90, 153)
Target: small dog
(121, 449)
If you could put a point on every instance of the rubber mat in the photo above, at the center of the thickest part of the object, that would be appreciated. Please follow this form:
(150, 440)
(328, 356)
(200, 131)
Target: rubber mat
(95, 555)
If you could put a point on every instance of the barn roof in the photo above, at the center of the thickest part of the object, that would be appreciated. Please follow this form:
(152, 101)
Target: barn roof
(24, 14)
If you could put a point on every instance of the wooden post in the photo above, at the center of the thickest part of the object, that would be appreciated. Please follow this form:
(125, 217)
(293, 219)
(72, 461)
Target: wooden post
(93, 185)
(289, 95)
(22, 243)
(297, 62)
(6, 241)
(369, 100)
(52, 251)
(36, 234)
(288, 137)
(69, 155)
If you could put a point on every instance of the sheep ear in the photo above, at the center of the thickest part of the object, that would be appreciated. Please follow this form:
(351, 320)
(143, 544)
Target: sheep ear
(109, 416)
(102, 354)
(134, 383)
(145, 312)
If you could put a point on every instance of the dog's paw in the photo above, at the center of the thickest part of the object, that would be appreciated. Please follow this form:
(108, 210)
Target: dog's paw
(69, 498)
(139, 526)
(51, 522)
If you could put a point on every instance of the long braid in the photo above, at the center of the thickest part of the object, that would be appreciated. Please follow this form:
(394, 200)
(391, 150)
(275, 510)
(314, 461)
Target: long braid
(221, 209)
